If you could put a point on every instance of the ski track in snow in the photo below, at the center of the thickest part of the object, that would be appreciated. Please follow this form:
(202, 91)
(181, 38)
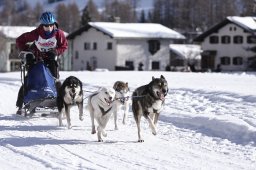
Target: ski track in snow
(176, 127)
(241, 108)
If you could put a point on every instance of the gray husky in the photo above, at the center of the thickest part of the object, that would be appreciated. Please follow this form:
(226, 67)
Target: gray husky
(148, 100)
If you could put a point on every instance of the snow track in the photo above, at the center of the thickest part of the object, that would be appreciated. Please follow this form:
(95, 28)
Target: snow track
(198, 129)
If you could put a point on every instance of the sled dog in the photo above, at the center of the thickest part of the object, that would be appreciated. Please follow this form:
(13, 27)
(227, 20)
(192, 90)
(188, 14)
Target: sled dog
(122, 100)
(148, 101)
(100, 106)
(70, 94)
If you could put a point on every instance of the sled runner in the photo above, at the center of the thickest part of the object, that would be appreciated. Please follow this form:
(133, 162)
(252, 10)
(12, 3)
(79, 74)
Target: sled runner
(39, 88)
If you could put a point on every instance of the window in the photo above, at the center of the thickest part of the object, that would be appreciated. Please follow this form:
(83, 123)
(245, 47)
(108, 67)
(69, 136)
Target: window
(225, 60)
(214, 39)
(251, 39)
(155, 65)
(129, 64)
(153, 46)
(109, 46)
(87, 46)
(237, 60)
(94, 46)
(225, 39)
(76, 55)
(238, 39)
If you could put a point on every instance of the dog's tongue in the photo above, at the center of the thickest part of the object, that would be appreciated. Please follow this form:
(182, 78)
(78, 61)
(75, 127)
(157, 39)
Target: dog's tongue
(108, 102)
(161, 96)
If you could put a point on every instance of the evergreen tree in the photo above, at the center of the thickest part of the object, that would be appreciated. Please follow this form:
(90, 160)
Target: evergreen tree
(85, 17)
(90, 13)
(142, 17)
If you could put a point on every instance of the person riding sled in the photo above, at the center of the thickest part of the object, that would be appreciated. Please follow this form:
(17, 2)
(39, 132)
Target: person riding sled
(47, 42)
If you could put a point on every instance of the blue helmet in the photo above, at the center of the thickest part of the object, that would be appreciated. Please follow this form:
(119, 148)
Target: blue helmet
(47, 18)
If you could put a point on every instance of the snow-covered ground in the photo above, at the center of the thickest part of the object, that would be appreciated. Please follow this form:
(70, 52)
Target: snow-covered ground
(208, 122)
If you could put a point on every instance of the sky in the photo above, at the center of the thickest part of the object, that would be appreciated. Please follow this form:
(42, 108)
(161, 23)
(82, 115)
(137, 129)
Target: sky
(208, 122)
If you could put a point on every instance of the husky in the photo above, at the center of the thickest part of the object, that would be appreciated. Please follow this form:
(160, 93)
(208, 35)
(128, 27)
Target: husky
(100, 106)
(121, 100)
(148, 100)
(70, 94)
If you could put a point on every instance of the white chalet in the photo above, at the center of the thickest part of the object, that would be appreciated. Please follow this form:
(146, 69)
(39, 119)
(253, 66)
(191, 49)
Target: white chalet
(184, 56)
(8, 53)
(229, 45)
(121, 46)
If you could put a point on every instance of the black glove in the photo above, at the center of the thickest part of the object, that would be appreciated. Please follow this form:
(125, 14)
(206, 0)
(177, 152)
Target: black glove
(30, 59)
(51, 54)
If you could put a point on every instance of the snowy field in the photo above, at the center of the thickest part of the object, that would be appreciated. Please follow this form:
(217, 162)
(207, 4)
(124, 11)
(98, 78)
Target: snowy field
(208, 122)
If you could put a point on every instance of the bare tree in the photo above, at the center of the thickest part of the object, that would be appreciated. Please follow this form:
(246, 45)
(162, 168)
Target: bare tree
(74, 17)
(62, 16)
(7, 12)
(37, 12)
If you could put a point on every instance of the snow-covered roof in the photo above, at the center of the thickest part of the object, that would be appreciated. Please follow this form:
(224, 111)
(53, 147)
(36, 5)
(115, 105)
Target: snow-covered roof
(187, 50)
(15, 31)
(136, 30)
(131, 30)
(247, 23)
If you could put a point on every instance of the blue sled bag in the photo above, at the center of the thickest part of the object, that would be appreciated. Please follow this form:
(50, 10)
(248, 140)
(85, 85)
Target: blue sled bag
(39, 84)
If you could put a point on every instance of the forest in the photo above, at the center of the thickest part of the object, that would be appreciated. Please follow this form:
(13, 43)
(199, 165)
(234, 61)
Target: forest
(181, 15)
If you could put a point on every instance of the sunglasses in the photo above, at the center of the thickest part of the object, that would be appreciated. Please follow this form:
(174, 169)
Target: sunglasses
(48, 25)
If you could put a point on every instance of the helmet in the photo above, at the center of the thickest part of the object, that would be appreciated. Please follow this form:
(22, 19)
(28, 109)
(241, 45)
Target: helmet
(47, 18)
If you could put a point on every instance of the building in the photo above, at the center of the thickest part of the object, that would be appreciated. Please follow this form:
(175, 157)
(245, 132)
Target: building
(230, 45)
(9, 55)
(185, 57)
(121, 46)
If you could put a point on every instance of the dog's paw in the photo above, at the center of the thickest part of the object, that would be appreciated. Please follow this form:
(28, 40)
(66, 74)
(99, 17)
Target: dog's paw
(104, 134)
(81, 118)
(69, 127)
(154, 132)
(100, 140)
(93, 131)
(116, 128)
(140, 140)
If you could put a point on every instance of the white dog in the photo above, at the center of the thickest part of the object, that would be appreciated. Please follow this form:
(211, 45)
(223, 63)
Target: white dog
(122, 100)
(100, 106)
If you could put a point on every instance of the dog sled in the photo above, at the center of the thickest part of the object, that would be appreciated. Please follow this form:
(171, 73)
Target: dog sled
(38, 87)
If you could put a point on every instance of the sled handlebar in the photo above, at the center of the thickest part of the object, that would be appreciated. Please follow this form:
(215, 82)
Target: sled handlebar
(25, 56)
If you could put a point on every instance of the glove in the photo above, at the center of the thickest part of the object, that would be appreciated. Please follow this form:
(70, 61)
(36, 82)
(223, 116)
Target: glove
(30, 59)
(51, 54)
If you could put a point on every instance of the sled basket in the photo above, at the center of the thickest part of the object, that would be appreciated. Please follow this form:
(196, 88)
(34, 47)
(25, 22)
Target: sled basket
(39, 84)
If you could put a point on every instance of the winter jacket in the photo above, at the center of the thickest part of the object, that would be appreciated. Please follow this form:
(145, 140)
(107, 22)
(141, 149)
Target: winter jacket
(42, 43)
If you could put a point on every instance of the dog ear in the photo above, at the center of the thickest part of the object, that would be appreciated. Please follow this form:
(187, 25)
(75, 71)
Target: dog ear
(114, 87)
(162, 77)
(153, 78)
(126, 84)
